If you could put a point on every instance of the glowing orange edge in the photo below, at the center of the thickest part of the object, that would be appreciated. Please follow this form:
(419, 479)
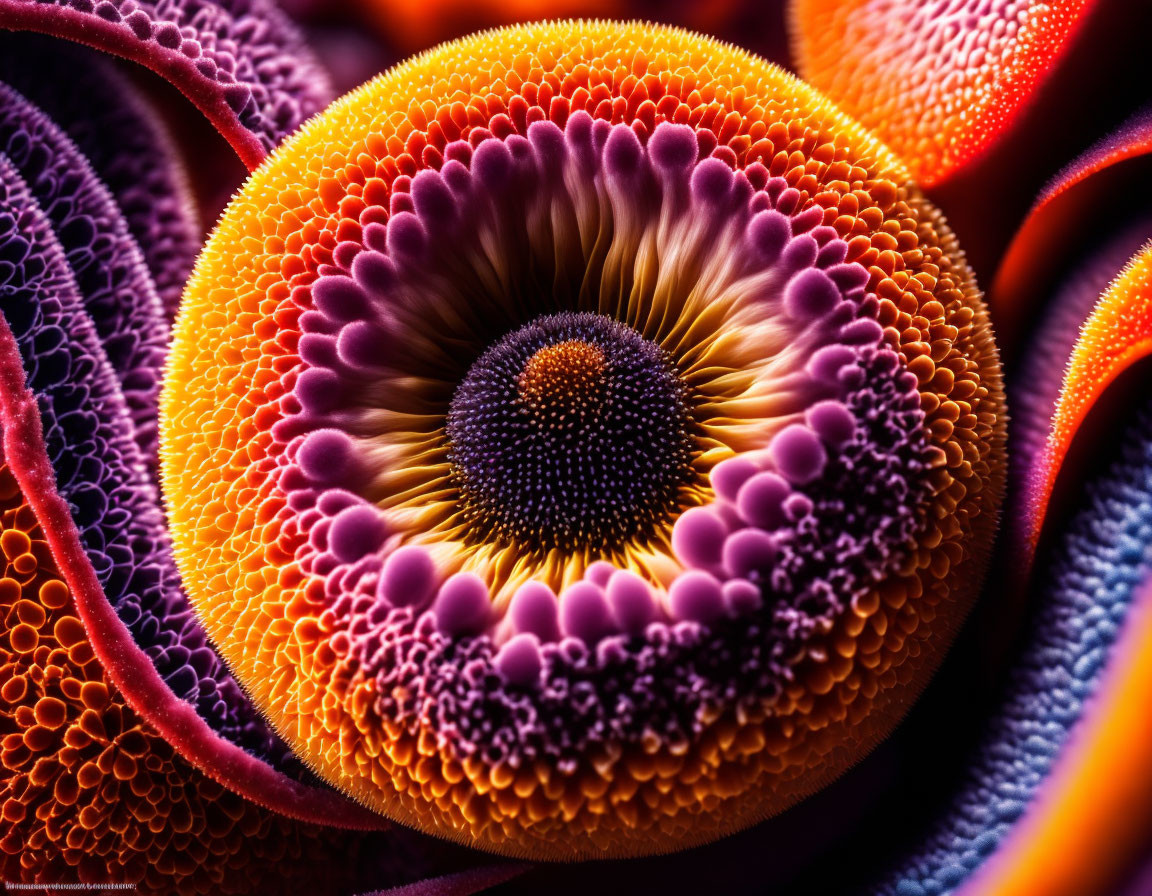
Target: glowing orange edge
(1116, 335)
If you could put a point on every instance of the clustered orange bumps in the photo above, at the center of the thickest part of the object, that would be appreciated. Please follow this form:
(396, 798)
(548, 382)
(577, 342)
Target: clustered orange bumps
(235, 357)
(937, 81)
(88, 790)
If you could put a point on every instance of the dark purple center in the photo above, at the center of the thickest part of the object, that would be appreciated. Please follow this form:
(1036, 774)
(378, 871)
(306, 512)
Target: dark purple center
(572, 432)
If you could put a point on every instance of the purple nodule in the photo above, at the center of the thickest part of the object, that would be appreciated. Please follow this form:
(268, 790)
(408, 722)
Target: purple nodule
(797, 506)
(826, 363)
(808, 220)
(747, 551)
(632, 602)
(584, 613)
(741, 597)
(317, 350)
(673, 147)
(769, 232)
(599, 573)
(548, 141)
(849, 276)
(519, 661)
(711, 181)
(318, 536)
(696, 596)
(375, 232)
(861, 332)
(333, 500)
(622, 153)
(456, 174)
(798, 453)
(810, 294)
(406, 236)
(463, 606)
(458, 151)
(761, 500)
(408, 578)
(339, 298)
(374, 272)
(698, 537)
(318, 390)
(492, 163)
(535, 610)
(356, 532)
(832, 252)
(832, 421)
(328, 457)
(432, 198)
(728, 475)
(319, 323)
(800, 253)
(362, 345)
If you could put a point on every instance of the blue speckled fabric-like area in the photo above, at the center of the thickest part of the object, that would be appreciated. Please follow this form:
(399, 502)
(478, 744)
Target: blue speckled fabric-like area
(1085, 595)
(99, 470)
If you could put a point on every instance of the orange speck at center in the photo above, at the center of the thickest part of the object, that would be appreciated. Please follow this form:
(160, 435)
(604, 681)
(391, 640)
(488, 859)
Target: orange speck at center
(565, 379)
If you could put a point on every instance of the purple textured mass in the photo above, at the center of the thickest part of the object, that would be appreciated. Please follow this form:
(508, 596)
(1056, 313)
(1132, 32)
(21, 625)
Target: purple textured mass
(122, 137)
(589, 458)
(107, 267)
(795, 530)
(240, 61)
(89, 438)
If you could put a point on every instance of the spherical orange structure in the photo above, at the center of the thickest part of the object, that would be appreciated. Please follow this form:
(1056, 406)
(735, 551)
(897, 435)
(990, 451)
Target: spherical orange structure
(582, 440)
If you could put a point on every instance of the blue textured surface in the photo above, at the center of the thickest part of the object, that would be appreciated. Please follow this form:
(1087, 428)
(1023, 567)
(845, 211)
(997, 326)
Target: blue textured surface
(1096, 567)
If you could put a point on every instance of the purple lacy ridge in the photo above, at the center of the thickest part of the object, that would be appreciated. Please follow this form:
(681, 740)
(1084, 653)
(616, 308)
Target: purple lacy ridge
(99, 471)
(126, 143)
(242, 62)
(768, 565)
(36, 289)
(113, 282)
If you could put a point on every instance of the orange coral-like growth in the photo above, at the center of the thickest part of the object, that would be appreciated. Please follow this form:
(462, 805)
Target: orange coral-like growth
(88, 791)
(235, 360)
(937, 81)
(1115, 336)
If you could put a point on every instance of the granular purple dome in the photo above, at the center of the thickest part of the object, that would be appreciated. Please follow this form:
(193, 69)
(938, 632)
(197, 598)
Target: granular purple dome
(571, 433)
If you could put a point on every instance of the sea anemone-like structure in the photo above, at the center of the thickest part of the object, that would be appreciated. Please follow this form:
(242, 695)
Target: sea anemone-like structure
(582, 440)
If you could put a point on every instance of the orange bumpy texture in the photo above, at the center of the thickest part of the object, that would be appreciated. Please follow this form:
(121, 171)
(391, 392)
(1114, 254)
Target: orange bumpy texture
(88, 791)
(235, 357)
(937, 81)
